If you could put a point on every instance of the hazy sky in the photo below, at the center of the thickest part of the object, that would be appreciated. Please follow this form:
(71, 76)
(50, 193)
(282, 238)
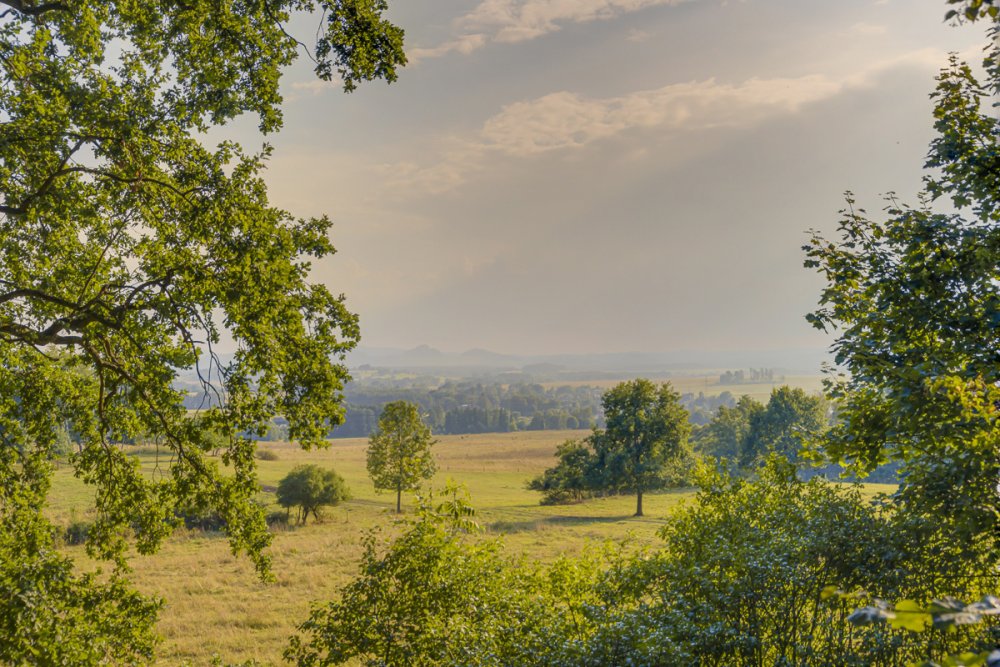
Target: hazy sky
(609, 175)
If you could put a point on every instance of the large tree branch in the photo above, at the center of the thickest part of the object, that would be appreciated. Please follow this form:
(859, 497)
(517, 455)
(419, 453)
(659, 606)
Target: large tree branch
(34, 10)
(14, 332)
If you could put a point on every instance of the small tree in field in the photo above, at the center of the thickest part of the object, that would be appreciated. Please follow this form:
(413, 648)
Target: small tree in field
(309, 487)
(399, 452)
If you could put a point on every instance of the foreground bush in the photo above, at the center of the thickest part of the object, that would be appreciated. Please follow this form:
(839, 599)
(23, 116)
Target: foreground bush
(738, 581)
(440, 596)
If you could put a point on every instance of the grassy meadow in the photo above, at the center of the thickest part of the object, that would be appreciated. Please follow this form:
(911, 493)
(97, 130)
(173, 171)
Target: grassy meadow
(215, 605)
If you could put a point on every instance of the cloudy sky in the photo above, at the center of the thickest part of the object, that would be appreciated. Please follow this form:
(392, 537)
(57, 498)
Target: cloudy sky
(609, 175)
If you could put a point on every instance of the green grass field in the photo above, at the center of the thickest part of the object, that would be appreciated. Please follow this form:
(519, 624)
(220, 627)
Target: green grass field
(216, 605)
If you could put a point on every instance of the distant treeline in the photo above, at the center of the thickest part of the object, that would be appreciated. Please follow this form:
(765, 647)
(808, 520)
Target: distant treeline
(458, 407)
(475, 407)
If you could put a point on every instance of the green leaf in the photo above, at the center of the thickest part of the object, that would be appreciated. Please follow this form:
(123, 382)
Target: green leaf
(910, 615)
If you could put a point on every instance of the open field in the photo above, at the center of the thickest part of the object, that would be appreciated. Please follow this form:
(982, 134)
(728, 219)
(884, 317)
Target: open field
(215, 604)
(708, 383)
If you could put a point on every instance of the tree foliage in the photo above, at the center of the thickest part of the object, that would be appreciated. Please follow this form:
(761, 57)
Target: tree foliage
(791, 418)
(728, 434)
(309, 487)
(915, 302)
(574, 478)
(50, 614)
(129, 248)
(973, 10)
(399, 452)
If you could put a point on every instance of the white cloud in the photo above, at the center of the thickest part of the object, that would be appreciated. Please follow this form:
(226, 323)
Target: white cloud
(567, 120)
(465, 44)
(570, 122)
(509, 21)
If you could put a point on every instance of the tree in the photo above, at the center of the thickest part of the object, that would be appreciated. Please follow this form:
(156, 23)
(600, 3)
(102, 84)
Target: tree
(646, 428)
(129, 248)
(791, 418)
(309, 487)
(915, 302)
(726, 435)
(972, 10)
(399, 452)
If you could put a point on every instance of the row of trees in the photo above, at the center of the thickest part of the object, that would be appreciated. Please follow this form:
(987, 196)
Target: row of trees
(473, 407)
(477, 407)
(642, 434)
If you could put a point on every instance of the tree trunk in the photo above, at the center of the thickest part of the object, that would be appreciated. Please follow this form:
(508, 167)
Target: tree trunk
(638, 501)
(399, 496)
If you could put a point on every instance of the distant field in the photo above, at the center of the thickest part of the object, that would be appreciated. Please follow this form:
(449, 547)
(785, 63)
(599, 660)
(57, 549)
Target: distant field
(708, 383)
(215, 605)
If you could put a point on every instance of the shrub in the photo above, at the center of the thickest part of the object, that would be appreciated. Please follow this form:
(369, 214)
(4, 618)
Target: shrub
(277, 520)
(202, 519)
(309, 487)
(741, 576)
(266, 455)
(76, 532)
(439, 597)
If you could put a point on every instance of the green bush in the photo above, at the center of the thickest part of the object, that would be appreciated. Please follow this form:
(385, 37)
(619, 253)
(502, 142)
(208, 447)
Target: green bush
(740, 580)
(309, 487)
(76, 532)
(437, 596)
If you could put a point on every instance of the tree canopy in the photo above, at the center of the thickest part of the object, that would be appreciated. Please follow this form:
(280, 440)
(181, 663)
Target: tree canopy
(790, 418)
(129, 248)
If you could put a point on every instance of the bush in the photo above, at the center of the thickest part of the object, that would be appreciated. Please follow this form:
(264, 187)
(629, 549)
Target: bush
(203, 519)
(76, 532)
(572, 479)
(309, 487)
(437, 596)
(266, 455)
(277, 520)
(741, 576)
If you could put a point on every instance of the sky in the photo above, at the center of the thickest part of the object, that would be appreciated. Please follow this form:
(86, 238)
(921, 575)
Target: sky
(586, 176)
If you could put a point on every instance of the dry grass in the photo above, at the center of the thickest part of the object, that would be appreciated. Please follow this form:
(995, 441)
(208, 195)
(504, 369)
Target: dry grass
(215, 605)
